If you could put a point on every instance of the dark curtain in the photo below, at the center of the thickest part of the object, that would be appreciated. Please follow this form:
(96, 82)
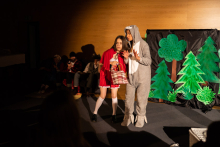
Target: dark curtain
(195, 40)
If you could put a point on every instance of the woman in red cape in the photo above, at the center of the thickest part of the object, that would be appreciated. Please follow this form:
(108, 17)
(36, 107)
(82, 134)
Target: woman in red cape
(109, 61)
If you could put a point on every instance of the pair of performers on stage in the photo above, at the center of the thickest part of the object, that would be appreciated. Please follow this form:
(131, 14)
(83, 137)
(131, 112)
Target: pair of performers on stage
(135, 53)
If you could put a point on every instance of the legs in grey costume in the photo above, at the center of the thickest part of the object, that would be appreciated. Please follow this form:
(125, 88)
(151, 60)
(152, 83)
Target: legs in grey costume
(142, 100)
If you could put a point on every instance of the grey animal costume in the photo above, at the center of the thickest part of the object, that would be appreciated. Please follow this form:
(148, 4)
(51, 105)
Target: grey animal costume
(139, 74)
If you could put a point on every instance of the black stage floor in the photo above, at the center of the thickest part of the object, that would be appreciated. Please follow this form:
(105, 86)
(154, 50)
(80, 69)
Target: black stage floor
(166, 124)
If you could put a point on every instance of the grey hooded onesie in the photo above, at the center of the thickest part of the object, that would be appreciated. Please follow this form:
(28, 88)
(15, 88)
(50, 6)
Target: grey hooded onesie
(139, 74)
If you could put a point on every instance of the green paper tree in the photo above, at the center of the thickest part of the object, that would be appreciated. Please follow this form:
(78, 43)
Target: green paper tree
(190, 74)
(187, 94)
(172, 96)
(219, 67)
(171, 50)
(161, 84)
(205, 95)
(207, 59)
(151, 93)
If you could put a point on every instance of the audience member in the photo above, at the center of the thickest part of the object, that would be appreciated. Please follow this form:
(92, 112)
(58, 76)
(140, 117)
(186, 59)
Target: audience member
(49, 72)
(74, 66)
(90, 75)
(61, 75)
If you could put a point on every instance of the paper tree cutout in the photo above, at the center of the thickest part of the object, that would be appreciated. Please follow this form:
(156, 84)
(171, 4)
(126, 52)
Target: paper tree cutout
(219, 67)
(205, 95)
(207, 59)
(171, 48)
(190, 74)
(172, 96)
(187, 94)
(151, 93)
(161, 84)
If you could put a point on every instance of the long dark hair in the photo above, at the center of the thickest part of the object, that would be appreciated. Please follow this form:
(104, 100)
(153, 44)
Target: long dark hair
(124, 43)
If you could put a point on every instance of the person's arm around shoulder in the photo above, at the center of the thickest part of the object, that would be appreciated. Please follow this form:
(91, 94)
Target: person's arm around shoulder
(146, 59)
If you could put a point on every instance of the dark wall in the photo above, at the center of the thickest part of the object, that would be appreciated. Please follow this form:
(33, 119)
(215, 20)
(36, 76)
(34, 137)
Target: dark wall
(68, 25)
(53, 18)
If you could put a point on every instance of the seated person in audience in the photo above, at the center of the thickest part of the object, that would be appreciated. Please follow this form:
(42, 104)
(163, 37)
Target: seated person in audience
(90, 74)
(212, 136)
(49, 72)
(73, 66)
(61, 75)
(59, 122)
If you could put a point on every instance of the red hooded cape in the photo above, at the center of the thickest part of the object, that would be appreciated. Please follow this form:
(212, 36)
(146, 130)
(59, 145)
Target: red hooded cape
(105, 60)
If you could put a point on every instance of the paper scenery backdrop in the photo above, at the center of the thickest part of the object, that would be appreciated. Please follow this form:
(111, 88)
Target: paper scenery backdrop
(185, 67)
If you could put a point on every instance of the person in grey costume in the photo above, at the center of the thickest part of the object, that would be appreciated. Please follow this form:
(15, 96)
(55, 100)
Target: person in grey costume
(139, 75)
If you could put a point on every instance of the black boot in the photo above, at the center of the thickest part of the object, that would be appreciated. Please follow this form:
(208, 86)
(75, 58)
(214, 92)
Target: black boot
(114, 119)
(94, 118)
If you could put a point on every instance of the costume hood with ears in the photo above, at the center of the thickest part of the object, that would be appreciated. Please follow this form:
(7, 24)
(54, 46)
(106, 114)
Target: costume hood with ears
(134, 32)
